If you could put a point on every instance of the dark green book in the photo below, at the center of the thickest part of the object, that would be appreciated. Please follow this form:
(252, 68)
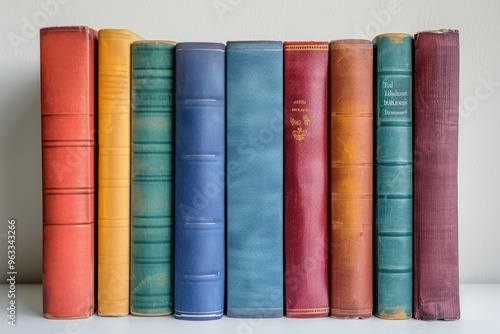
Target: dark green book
(152, 183)
(394, 177)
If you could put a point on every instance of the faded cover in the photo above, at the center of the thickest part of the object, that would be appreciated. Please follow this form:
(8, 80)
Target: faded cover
(436, 290)
(394, 177)
(67, 81)
(199, 181)
(306, 179)
(114, 172)
(254, 74)
(152, 178)
(351, 178)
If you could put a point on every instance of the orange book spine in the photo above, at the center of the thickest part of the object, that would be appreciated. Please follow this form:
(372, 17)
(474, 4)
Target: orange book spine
(351, 178)
(113, 209)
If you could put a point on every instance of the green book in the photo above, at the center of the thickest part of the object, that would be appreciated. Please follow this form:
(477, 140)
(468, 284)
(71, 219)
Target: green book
(394, 177)
(152, 183)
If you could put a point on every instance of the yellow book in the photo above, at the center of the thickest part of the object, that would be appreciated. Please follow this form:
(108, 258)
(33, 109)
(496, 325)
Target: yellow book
(113, 222)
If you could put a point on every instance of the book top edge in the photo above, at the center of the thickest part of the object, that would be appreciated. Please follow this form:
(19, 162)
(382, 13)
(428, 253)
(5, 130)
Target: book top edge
(286, 43)
(305, 46)
(394, 37)
(154, 41)
(206, 46)
(352, 43)
(443, 37)
(117, 32)
(438, 31)
(66, 28)
(255, 45)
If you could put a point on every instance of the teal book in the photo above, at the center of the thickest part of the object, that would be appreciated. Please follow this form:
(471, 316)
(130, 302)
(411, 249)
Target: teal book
(254, 171)
(394, 177)
(152, 182)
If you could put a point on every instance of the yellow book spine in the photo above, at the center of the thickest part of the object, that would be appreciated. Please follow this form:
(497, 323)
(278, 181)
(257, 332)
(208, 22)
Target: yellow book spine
(113, 275)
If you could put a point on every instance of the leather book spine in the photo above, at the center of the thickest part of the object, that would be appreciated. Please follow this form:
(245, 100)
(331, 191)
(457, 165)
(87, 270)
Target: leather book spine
(68, 111)
(113, 217)
(436, 103)
(199, 181)
(393, 177)
(152, 178)
(351, 178)
(254, 91)
(306, 74)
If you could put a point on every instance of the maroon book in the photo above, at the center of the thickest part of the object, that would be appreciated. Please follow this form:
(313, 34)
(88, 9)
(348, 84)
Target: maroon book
(67, 82)
(306, 178)
(436, 79)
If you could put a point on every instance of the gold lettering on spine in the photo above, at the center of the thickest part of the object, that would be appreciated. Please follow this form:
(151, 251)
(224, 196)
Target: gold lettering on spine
(300, 133)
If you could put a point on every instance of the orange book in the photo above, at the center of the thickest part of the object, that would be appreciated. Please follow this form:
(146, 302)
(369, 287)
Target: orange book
(113, 274)
(351, 178)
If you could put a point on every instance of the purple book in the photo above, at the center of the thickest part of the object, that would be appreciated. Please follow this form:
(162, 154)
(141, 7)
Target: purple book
(436, 79)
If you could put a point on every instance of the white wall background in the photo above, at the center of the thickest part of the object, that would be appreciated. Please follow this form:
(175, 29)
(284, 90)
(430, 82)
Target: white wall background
(223, 20)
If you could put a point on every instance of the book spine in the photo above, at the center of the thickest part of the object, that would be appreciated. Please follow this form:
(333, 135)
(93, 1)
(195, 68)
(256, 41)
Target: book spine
(152, 178)
(199, 181)
(436, 81)
(351, 178)
(255, 179)
(306, 178)
(114, 172)
(394, 177)
(67, 81)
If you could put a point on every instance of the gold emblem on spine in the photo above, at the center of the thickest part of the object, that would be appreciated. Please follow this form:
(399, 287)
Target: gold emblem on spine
(299, 134)
(294, 122)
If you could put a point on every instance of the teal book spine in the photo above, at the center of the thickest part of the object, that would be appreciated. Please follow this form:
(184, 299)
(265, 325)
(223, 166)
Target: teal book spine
(152, 182)
(254, 171)
(394, 177)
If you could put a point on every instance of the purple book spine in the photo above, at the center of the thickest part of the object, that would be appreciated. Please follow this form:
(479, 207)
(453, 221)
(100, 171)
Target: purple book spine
(436, 100)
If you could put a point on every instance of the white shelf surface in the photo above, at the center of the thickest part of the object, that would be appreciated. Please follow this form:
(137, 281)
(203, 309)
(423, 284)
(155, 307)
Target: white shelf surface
(480, 309)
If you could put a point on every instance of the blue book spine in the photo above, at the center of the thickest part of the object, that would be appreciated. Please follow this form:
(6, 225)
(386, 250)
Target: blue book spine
(152, 186)
(199, 181)
(254, 179)
(394, 177)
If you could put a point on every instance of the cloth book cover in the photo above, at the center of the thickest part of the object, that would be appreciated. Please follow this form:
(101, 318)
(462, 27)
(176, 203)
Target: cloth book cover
(68, 115)
(306, 178)
(113, 271)
(254, 95)
(351, 178)
(394, 177)
(436, 82)
(199, 181)
(152, 178)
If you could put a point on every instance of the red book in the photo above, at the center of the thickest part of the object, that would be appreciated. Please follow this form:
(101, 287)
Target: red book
(436, 84)
(306, 179)
(67, 82)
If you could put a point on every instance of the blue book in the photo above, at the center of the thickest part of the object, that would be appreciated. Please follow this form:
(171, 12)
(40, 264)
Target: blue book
(199, 181)
(394, 177)
(254, 179)
(152, 178)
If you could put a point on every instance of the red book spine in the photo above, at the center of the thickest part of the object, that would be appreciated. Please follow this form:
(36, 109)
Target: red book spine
(306, 179)
(67, 82)
(436, 82)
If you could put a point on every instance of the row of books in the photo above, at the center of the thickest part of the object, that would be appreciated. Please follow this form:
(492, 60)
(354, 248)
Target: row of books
(252, 179)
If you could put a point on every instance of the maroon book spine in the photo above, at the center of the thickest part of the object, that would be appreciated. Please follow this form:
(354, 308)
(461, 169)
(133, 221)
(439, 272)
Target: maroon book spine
(436, 100)
(67, 82)
(306, 179)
